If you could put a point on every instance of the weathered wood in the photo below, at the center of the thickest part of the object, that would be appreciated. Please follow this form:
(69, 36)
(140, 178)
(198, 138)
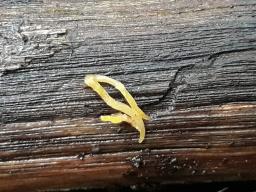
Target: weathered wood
(191, 65)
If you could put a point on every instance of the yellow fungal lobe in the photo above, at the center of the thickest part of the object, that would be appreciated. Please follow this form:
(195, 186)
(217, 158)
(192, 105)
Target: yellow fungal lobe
(131, 113)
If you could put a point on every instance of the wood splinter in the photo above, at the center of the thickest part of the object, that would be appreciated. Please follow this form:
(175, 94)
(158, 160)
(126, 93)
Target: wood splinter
(131, 114)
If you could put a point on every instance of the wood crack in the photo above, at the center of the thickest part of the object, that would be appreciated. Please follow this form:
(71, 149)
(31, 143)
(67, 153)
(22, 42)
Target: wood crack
(213, 57)
(171, 86)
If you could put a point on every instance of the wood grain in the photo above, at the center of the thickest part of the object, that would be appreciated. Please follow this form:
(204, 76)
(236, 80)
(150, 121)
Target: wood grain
(191, 65)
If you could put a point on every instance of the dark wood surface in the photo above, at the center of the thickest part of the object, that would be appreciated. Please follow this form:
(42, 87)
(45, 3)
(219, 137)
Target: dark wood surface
(191, 65)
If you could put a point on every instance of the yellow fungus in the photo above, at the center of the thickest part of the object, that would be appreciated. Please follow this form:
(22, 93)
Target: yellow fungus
(131, 113)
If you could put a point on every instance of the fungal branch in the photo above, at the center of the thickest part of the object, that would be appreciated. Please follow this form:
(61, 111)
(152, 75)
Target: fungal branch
(131, 113)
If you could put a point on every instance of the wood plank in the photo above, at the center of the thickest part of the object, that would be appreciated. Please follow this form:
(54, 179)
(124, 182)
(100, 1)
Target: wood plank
(191, 65)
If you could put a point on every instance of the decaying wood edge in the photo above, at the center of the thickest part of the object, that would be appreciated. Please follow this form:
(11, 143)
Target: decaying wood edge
(88, 155)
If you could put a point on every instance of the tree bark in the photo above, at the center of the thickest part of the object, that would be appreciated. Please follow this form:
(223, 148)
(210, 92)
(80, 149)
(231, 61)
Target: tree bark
(191, 65)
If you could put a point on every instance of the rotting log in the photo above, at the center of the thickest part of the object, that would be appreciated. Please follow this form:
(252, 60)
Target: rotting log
(191, 65)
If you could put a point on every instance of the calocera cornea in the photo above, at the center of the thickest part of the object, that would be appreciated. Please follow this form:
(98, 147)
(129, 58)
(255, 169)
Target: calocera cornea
(131, 113)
